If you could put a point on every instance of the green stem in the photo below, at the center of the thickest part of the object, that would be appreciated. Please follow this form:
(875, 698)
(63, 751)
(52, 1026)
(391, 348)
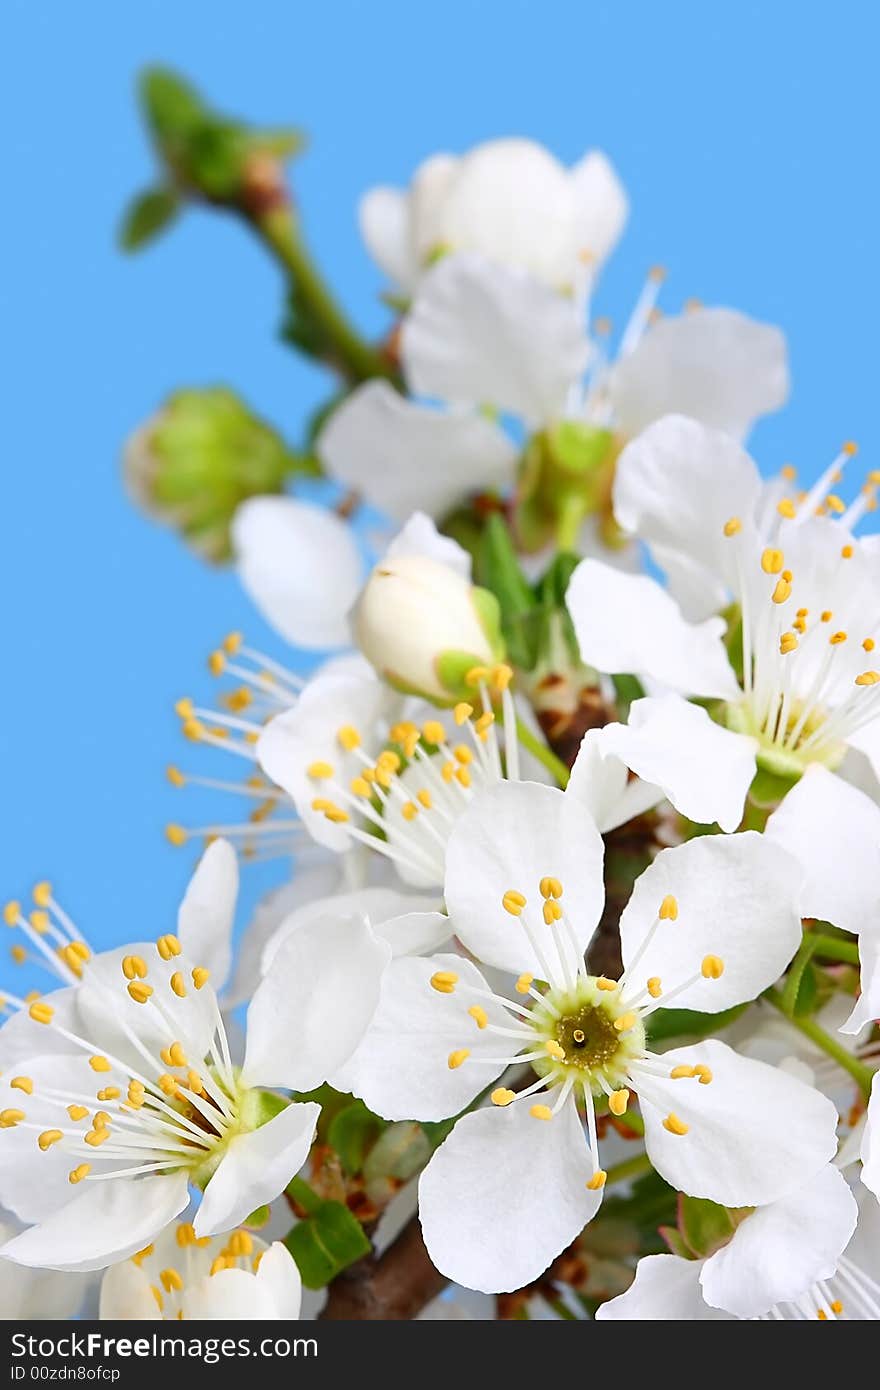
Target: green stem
(360, 361)
(862, 1075)
(540, 751)
(570, 519)
(833, 948)
(628, 1168)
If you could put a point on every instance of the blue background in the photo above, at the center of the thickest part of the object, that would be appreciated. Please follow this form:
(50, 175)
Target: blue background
(745, 133)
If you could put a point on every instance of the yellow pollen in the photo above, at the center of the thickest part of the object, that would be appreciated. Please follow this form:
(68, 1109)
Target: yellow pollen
(787, 509)
(524, 983)
(787, 643)
(849, 448)
(712, 968)
(868, 678)
(171, 1280)
(463, 777)
(502, 675)
(185, 1234)
(836, 1307)
(433, 731)
(654, 987)
(177, 984)
(462, 712)
(603, 982)
(835, 504)
(477, 674)
(200, 976)
(703, 1073)
(618, 1101)
(463, 754)
(682, 1073)
(19, 954)
(11, 914)
(168, 1084)
(219, 1264)
(409, 810)
(552, 911)
(869, 644)
(732, 526)
(513, 902)
(77, 1112)
(789, 472)
(424, 798)
(782, 592)
(554, 1049)
(772, 560)
(48, 1138)
(836, 638)
(550, 888)
(444, 981)
(134, 967)
(541, 1112)
(108, 1093)
(41, 1013)
(668, 909)
(176, 835)
(479, 1015)
(217, 663)
(22, 1083)
(194, 729)
(800, 625)
(319, 770)
(501, 1096)
(348, 737)
(597, 1181)
(168, 946)
(388, 760)
(39, 920)
(484, 724)
(97, 1136)
(822, 1315)
(99, 1063)
(846, 552)
(174, 1056)
(10, 1118)
(139, 991)
(231, 643)
(142, 1255)
(625, 1022)
(455, 1059)
(81, 1171)
(42, 894)
(673, 1125)
(361, 787)
(826, 615)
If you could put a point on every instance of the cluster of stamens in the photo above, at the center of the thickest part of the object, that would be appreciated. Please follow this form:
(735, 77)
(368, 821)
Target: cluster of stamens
(196, 1257)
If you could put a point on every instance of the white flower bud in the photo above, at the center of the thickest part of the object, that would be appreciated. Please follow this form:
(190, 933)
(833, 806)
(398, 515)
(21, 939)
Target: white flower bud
(423, 626)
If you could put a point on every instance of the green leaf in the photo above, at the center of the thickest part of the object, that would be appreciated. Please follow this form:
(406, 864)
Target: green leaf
(687, 1023)
(352, 1133)
(400, 1152)
(704, 1226)
(171, 106)
(258, 1218)
(305, 1196)
(147, 216)
(325, 1243)
(498, 570)
(676, 1242)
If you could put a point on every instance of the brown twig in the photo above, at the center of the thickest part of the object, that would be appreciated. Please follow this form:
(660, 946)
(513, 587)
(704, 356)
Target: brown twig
(396, 1286)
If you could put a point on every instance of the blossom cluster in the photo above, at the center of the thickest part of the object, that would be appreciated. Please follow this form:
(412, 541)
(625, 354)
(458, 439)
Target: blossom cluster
(581, 810)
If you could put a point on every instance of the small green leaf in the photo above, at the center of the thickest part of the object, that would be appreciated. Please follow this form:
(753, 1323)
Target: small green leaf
(325, 1243)
(676, 1242)
(305, 1196)
(352, 1133)
(147, 216)
(704, 1226)
(258, 1218)
(401, 1151)
(499, 571)
(687, 1023)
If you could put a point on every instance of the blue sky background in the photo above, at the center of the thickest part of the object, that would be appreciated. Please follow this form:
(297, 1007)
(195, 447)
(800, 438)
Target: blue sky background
(745, 133)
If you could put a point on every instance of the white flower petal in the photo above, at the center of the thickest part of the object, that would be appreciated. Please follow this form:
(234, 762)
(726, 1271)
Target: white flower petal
(126, 1294)
(393, 915)
(384, 219)
(716, 365)
(105, 1221)
(428, 193)
(256, 1167)
(405, 456)
(504, 1194)
(206, 915)
(419, 536)
(511, 837)
(675, 486)
(781, 1249)
(601, 207)
(230, 1295)
(867, 1006)
(415, 933)
(754, 1132)
(870, 1150)
(401, 1068)
(313, 1006)
(703, 769)
(737, 899)
(599, 780)
(833, 829)
(279, 1278)
(626, 623)
(301, 566)
(310, 883)
(666, 1289)
(478, 333)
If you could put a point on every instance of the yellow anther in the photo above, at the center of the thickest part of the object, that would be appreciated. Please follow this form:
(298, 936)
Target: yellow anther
(789, 472)
(194, 1082)
(455, 1059)
(134, 967)
(703, 1073)
(240, 1243)
(463, 754)
(826, 615)
(19, 954)
(139, 991)
(772, 560)
(868, 678)
(22, 1083)
(336, 815)
(447, 772)
(10, 1117)
(787, 643)
(552, 911)
(477, 674)
(484, 724)
(836, 1307)
(409, 810)
(800, 625)
(389, 761)
(673, 1125)
(444, 981)
(11, 913)
(77, 1112)
(348, 737)
(654, 987)
(463, 776)
(712, 968)
(597, 1181)
(787, 509)
(95, 1137)
(424, 798)
(184, 708)
(185, 1234)
(361, 787)
(479, 1015)
(48, 1138)
(42, 894)
(513, 902)
(217, 663)
(39, 920)
(176, 835)
(171, 1280)
(732, 526)
(231, 643)
(846, 552)
(541, 1112)
(618, 1101)
(553, 1048)
(524, 983)
(462, 712)
(433, 731)
(81, 1171)
(100, 1120)
(869, 644)
(625, 1022)
(849, 448)
(41, 1013)
(603, 982)
(168, 1084)
(108, 1093)
(837, 638)
(176, 1055)
(550, 888)
(502, 675)
(168, 946)
(782, 591)
(194, 730)
(99, 1063)
(501, 1096)
(682, 1073)
(141, 1255)
(178, 985)
(319, 770)
(200, 976)
(668, 909)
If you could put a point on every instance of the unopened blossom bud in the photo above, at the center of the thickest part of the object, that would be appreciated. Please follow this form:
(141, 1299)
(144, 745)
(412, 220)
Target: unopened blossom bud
(198, 458)
(425, 627)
